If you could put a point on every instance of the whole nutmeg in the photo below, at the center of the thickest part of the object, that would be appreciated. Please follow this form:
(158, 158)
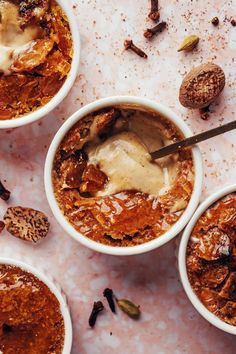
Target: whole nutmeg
(201, 86)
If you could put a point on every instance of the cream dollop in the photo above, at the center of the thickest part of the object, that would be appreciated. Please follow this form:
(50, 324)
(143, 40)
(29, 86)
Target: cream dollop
(13, 39)
(126, 161)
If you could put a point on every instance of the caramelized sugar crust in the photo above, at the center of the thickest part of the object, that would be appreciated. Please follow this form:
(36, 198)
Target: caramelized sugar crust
(38, 73)
(211, 259)
(128, 217)
(30, 315)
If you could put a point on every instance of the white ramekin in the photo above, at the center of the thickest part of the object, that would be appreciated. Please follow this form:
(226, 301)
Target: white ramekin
(148, 246)
(54, 289)
(209, 316)
(64, 90)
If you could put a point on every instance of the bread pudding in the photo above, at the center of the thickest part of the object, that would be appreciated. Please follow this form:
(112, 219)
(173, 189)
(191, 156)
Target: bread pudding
(30, 317)
(108, 187)
(35, 54)
(211, 259)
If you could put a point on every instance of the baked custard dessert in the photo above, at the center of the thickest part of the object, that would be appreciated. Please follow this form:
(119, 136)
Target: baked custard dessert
(35, 54)
(211, 259)
(106, 184)
(30, 317)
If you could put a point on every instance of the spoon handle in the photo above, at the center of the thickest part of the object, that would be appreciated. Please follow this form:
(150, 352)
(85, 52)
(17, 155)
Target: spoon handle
(192, 140)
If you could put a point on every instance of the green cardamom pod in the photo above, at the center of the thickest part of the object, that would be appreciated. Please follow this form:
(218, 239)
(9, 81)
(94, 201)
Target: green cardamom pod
(129, 308)
(189, 43)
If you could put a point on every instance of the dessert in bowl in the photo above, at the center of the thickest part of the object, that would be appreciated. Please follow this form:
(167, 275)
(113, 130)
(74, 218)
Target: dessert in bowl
(34, 317)
(207, 259)
(39, 47)
(103, 186)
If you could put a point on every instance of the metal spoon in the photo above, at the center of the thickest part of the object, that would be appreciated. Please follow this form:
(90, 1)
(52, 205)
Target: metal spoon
(175, 147)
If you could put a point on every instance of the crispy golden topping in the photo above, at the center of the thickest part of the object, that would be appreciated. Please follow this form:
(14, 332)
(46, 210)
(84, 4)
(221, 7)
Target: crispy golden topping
(35, 55)
(84, 177)
(211, 259)
(30, 317)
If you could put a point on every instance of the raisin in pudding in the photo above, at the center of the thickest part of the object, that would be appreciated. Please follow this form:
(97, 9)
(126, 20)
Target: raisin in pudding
(35, 54)
(30, 317)
(211, 259)
(108, 187)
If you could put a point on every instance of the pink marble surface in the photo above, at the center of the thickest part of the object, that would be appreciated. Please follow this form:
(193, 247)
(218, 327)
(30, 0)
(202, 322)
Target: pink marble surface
(169, 323)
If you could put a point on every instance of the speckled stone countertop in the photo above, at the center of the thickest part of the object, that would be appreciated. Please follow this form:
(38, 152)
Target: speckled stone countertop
(169, 323)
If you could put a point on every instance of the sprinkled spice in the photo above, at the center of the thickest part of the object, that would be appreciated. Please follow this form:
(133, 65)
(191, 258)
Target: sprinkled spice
(97, 308)
(108, 294)
(4, 193)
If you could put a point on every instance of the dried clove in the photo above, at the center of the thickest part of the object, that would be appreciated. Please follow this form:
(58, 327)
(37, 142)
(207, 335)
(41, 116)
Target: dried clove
(150, 32)
(4, 193)
(128, 43)
(129, 308)
(154, 12)
(215, 21)
(108, 294)
(2, 225)
(97, 307)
